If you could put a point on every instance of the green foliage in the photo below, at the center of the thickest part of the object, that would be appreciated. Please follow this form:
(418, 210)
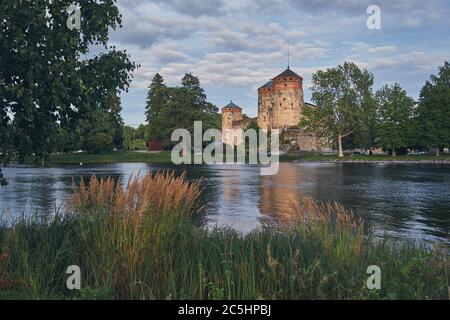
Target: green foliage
(97, 142)
(48, 76)
(157, 100)
(345, 104)
(182, 261)
(171, 108)
(394, 117)
(253, 125)
(99, 129)
(433, 114)
(110, 157)
(135, 139)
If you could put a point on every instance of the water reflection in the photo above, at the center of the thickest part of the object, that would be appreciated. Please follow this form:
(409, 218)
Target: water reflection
(403, 200)
(278, 194)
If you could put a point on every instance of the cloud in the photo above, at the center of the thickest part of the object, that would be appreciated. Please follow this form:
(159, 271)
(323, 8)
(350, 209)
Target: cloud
(235, 46)
(362, 47)
(195, 8)
(144, 25)
(164, 55)
(413, 23)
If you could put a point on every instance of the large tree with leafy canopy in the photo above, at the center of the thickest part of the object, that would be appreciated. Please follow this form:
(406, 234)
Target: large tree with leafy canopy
(344, 100)
(48, 73)
(394, 117)
(157, 99)
(433, 113)
(170, 108)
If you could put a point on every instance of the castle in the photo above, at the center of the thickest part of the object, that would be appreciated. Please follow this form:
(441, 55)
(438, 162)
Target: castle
(280, 106)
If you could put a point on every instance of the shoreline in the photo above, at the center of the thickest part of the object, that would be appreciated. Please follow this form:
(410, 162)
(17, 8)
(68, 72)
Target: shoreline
(376, 161)
(165, 158)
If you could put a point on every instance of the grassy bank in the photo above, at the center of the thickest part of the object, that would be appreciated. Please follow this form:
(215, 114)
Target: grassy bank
(164, 157)
(143, 242)
(112, 157)
(314, 157)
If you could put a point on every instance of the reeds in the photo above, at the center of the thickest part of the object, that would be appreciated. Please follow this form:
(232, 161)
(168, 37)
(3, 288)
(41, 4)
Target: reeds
(140, 241)
(5, 283)
(158, 193)
(306, 210)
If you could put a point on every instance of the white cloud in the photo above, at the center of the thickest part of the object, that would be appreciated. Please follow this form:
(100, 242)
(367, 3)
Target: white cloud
(413, 23)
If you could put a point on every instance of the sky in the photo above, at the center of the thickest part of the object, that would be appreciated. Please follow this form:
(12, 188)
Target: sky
(235, 46)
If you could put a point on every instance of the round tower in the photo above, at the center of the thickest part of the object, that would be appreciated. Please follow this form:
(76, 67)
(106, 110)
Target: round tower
(280, 102)
(231, 120)
(288, 101)
(265, 105)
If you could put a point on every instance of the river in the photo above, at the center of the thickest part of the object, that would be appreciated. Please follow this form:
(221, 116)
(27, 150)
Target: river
(403, 200)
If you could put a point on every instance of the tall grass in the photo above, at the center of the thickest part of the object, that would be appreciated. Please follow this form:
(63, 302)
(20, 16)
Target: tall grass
(141, 241)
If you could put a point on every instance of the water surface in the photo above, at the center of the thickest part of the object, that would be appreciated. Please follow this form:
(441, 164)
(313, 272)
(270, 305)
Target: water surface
(400, 199)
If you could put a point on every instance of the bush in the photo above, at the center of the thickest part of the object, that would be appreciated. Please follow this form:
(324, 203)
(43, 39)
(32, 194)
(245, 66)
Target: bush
(98, 142)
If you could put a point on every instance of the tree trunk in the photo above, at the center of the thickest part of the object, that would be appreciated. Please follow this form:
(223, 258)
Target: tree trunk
(394, 152)
(438, 152)
(341, 151)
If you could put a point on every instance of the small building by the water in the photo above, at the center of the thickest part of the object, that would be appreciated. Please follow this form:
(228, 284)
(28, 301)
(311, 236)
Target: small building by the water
(155, 145)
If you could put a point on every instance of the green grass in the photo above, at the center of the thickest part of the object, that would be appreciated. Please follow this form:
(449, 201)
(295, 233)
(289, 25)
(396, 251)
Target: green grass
(112, 157)
(162, 253)
(165, 157)
(185, 262)
(363, 158)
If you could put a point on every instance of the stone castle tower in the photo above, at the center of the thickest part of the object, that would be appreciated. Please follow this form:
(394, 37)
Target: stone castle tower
(280, 101)
(231, 119)
(280, 106)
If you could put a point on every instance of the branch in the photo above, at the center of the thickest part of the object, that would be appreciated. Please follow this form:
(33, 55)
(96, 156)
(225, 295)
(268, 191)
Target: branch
(347, 134)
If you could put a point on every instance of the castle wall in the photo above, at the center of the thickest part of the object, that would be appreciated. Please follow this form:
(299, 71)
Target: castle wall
(265, 105)
(231, 119)
(305, 142)
(288, 102)
(280, 106)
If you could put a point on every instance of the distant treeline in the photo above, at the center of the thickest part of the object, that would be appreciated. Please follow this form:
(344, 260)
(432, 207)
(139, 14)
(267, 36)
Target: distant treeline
(350, 115)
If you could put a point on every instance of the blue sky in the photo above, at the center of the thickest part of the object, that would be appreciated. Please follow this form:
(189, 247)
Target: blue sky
(235, 46)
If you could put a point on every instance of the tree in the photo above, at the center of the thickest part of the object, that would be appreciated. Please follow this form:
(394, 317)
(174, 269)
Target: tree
(433, 112)
(170, 108)
(48, 76)
(135, 139)
(101, 129)
(113, 105)
(343, 96)
(5, 143)
(102, 121)
(394, 117)
(157, 99)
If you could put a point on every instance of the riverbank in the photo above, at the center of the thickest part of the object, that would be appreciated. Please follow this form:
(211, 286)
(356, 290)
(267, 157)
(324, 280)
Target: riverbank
(403, 159)
(144, 242)
(165, 158)
(111, 157)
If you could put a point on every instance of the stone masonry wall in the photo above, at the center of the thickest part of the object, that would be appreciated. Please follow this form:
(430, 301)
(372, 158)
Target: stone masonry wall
(288, 102)
(305, 142)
